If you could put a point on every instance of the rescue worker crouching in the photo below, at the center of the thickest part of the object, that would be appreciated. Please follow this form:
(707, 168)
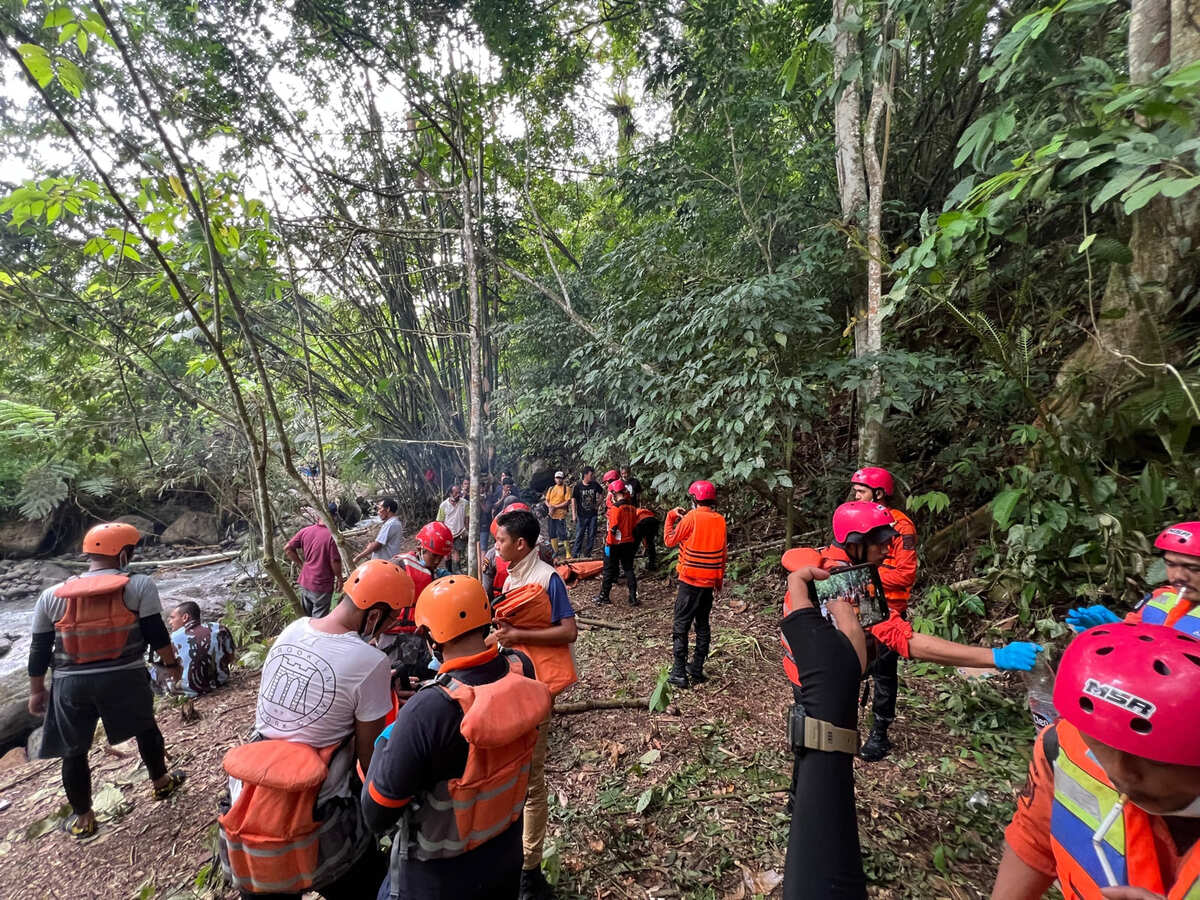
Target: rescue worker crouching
(93, 630)
(700, 536)
(453, 769)
(897, 573)
(1112, 805)
(293, 822)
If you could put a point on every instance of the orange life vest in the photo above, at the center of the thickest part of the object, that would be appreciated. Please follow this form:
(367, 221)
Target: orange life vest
(702, 549)
(529, 607)
(96, 625)
(500, 722)
(1083, 797)
(269, 839)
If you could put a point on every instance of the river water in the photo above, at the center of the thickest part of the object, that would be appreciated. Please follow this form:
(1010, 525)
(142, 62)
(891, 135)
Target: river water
(212, 587)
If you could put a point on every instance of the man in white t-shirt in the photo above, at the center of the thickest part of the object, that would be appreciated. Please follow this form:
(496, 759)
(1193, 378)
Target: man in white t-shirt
(322, 683)
(453, 512)
(388, 541)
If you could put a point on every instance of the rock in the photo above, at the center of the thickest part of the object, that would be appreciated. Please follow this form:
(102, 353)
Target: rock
(193, 528)
(23, 538)
(145, 527)
(5, 648)
(53, 573)
(16, 723)
(13, 758)
(33, 746)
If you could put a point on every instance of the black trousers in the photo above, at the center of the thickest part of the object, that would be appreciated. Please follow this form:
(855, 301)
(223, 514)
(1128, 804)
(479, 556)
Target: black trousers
(885, 677)
(619, 556)
(646, 532)
(693, 605)
(824, 859)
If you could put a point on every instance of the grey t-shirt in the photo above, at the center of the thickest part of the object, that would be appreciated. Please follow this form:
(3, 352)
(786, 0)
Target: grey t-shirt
(141, 597)
(391, 536)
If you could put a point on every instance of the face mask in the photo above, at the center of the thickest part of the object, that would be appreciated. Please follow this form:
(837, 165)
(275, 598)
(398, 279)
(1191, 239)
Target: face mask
(1191, 811)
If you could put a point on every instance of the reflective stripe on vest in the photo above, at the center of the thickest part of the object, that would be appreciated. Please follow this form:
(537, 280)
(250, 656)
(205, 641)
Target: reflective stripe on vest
(1083, 797)
(96, 626)
(1165, 608)
(500, 722)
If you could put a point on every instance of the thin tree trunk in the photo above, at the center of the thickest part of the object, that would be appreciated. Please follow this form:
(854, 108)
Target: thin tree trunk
(474, 299)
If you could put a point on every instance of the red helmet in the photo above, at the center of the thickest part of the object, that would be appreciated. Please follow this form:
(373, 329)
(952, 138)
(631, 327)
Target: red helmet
(702, 490)
(617, 486)
(862, 522)
(509, 508)
(610, 475)
(1182, 538)
(436, 538)
(875, 478)
(1134, 687)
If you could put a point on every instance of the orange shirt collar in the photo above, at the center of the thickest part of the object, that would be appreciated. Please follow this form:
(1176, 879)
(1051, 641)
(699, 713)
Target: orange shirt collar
(470, 662)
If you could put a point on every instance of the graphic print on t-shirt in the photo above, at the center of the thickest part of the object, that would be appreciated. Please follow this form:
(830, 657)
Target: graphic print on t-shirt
(299, 688)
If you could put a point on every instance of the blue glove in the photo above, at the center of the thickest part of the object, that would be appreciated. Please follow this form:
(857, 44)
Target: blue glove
(606, 549)
(1017, 656)
(1090, 616)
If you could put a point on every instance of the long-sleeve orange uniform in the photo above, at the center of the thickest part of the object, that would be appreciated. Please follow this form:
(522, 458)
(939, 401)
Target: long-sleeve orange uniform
(700, 536)
(898, 571)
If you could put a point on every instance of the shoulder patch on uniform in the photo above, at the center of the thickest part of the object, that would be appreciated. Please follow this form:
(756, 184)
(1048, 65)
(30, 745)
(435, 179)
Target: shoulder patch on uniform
(909, 541)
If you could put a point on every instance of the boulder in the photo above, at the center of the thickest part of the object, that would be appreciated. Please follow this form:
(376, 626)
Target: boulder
(53, 573)
(13, 758)
(5, 648)
(193, 528)
(145, 527)
(16, 723)
(23, 538)
(33, 746)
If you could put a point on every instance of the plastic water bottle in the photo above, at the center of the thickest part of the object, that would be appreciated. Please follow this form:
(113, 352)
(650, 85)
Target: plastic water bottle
(1039, 687)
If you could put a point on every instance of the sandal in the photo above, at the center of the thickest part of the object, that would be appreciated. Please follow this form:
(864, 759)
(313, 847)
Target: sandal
(72, 827)
(174, 782)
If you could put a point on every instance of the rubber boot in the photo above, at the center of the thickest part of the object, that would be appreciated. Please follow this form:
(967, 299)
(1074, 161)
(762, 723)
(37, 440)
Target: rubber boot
(877, 745)
(534, 885)
(678, 676)
(696, 669)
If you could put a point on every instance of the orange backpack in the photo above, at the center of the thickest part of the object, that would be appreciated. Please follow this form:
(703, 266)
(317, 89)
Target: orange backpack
(269, 839)
(529, 607)
(96, 625)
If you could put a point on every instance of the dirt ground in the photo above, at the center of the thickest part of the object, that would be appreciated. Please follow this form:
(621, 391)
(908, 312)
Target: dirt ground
(685, 803)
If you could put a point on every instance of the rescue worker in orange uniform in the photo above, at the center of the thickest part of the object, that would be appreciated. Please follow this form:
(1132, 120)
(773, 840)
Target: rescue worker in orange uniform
(453, 770)
(1177, 603)
(1112, 805)
(619, 544)
(700, 536)
(862, 533)
(93, 631)
(897, 573)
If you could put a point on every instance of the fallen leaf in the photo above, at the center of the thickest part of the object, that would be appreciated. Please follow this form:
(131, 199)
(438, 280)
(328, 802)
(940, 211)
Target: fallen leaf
(650, 757)
(761, 882)
(738, 606)
(738, 893)
(596, 846)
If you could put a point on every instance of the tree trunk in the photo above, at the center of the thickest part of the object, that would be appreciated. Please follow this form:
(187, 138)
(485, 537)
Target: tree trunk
(471, 265)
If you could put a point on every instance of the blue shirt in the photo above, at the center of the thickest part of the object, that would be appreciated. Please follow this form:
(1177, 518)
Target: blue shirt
(560, 603)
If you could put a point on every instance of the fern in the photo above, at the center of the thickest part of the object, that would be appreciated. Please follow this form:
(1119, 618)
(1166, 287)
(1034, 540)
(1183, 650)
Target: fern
(44, 487)
(25, 421)
(99, 485)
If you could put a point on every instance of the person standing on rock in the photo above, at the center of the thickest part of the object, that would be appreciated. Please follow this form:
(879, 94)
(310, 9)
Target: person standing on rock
(93, 630)
(387, 542)
(320, 566)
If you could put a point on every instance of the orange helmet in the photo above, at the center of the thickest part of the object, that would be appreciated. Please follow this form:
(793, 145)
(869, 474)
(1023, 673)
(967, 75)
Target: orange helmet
(452, 606)
(110, 538)
(379, 581)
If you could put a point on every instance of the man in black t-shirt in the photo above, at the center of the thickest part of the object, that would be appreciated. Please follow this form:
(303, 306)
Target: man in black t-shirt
(632, 485)
(586, 499)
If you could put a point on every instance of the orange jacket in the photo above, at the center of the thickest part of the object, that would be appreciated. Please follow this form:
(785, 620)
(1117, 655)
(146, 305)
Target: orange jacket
(700, 536)
(621, 521)
(898, 570)
(528, 606)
